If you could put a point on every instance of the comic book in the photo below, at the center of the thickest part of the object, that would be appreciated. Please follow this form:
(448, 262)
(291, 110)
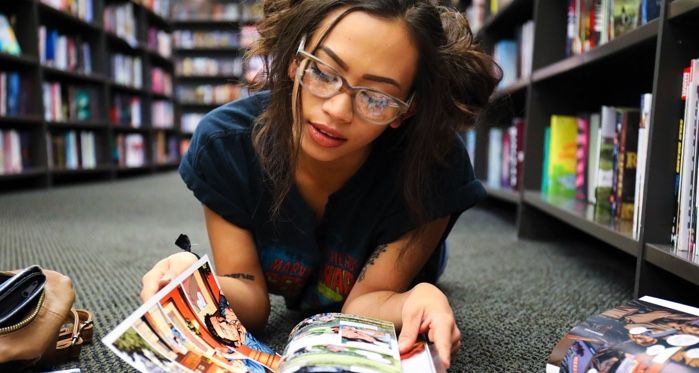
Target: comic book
(188, 326)
(644, 335)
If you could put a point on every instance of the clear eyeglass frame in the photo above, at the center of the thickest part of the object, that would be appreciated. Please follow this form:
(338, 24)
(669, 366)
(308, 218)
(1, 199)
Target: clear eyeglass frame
(395, 103)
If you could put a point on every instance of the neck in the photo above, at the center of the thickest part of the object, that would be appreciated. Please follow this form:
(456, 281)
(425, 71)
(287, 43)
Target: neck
(327, 176)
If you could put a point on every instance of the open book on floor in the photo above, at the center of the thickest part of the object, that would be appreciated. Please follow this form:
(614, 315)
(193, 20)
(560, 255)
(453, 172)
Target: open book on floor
(644, 335)
(187, 326)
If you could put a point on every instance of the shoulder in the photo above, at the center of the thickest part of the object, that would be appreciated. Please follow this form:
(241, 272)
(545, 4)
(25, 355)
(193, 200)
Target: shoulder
(228, 125)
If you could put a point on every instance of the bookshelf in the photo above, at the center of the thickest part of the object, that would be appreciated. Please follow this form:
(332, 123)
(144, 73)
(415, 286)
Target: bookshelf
(209, 45)
(648, 59)
(67, 72)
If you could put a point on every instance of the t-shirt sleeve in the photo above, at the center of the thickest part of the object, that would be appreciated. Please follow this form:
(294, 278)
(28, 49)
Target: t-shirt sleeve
(455, 189)
(217, 169)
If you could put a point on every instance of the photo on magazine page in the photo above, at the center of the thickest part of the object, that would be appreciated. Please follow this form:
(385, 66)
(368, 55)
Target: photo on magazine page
(647, 335)
(341, 343)
(189, 326)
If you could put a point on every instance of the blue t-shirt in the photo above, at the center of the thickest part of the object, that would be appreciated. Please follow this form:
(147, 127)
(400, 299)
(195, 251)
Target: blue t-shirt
(313, 264)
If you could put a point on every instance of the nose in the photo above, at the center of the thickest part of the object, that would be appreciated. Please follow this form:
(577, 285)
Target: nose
(339, 107)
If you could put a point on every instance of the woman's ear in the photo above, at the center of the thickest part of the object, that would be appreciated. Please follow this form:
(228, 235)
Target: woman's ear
(292, 69)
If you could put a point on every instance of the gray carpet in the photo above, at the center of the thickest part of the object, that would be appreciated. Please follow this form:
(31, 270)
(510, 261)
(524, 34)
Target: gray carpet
(513, 299)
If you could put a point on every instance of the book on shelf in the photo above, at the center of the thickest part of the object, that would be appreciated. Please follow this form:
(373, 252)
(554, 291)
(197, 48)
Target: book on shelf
(126, 110)
(605, 168)
(562, 156)
(14, 151)
(624, 166)
(120, 20)
(190, 121)
(641, 160)
(582, 155)
(190, 39)
(73, 150)
(644, 335)
(82, 9)
(127, 70)
(546, 159)
(69, 103)
(15, 92)
(160, 42)
(505, 54)
(188, 325)
(64, 52)
(209, 66)
(624, 16)
(129, 150)
(495, 140)
(593, 156)
(162, 114)
(8, 39)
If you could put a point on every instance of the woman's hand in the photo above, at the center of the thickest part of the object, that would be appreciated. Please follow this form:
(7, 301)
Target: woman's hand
(164, 271)
(427, 310)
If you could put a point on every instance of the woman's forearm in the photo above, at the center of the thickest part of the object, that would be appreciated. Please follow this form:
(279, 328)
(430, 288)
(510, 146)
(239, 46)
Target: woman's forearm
(381, 304)
(247, 301)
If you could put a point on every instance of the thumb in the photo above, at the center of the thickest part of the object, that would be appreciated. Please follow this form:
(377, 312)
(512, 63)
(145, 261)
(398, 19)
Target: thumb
(409, 331)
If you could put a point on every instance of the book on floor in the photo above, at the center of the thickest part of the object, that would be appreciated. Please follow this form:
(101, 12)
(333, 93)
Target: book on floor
(644, 335)
(188, 326)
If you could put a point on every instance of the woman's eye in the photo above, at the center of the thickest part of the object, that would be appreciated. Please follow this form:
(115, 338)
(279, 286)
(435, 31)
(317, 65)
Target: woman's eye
(321, 75)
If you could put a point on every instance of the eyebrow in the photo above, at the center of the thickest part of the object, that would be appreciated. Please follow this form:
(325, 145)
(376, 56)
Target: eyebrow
(344, 66)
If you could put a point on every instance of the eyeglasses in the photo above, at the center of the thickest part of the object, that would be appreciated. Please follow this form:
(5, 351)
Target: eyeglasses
(322, 80)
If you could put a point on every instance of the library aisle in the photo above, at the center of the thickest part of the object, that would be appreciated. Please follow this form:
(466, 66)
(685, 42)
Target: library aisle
(513, 299)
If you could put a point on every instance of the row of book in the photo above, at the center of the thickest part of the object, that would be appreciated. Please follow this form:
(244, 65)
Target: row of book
(162, 114)
(515, 55)
(189, 39)
(129, 150)
(506, 155)
(73, 150)
(480, 10)
(82, 9)
(165, 148)
(684, 227)
(594, 157)
(69, 103)
(208, 94)
(14, 151)
(190, 121)
(594, 22)
(184, 10)
(209, 66)
(126, 110)
(65, 52)
(127, 70)
(160, 42)
(14, 94)
(8, 39)
(120, 20)
(161, 81)
(159, 7)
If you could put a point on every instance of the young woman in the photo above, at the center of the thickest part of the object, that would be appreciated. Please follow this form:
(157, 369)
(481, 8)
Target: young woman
(337, 186)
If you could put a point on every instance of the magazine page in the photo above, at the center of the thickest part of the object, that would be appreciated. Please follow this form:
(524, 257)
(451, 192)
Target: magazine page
(332, 342)
(422, 358)
(188, 326)
(641, 335)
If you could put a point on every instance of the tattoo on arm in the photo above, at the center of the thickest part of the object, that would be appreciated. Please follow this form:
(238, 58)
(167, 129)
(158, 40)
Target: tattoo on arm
(378, 251)
(242, 276)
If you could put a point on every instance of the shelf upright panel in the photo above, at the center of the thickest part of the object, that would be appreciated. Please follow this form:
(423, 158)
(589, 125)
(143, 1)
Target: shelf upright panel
(677, 46)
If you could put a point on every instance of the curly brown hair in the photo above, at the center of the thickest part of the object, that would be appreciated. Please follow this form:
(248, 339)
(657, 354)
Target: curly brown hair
(454, 80)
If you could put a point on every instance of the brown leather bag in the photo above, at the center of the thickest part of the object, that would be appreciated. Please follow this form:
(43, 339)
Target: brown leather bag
(34, 339)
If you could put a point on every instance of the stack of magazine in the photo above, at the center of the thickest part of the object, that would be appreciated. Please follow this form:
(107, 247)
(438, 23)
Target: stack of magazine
(187, 326)
(644, 335)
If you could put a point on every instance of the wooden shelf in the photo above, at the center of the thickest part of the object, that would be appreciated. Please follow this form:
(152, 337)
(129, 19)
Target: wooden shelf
(634, 38)
(518, 86)
(81, 171)
(160, 60)
(502, 194)
(92, 78)
(678, 263)
(681, 8)
(200, 105)
(122, 128)
(22, 120)
(29, 173)
(584, 217)
(88, 125)
(161, 96)
(21, 60)
(128, 88)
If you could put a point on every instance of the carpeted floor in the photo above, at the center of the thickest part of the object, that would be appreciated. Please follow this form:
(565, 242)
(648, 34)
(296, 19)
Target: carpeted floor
(513, 299)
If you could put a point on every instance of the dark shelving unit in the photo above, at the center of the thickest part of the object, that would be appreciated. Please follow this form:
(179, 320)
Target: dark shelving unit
(648, 59)
(28, 15)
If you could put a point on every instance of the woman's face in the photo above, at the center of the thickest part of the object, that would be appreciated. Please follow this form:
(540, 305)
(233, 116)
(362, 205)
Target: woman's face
(367, 51)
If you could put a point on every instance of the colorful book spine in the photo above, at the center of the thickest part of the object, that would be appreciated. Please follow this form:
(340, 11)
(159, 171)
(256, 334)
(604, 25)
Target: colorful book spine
(562, 159)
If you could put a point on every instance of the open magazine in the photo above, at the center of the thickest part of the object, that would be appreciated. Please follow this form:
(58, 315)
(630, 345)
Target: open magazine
(644, 335)
(188, 326)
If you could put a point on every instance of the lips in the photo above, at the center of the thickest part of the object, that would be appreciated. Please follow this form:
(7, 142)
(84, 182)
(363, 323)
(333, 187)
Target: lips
(325, 136)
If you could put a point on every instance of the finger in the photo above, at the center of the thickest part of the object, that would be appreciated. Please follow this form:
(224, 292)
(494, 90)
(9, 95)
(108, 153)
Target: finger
(151, 281)
(409, 331)
(455, 339)
(441, 333)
